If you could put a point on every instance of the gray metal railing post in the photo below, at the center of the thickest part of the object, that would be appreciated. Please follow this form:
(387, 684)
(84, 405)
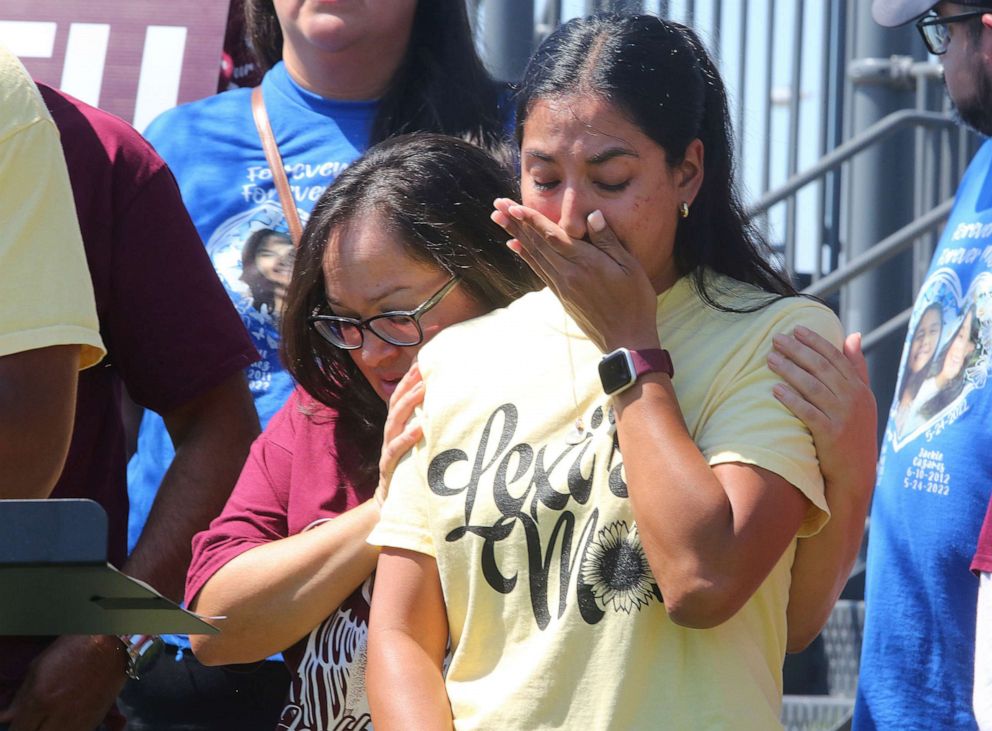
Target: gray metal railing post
(792, 157)
(766, 164)
(904, 119)
(881, 199)
(741, 77)
(508, 26)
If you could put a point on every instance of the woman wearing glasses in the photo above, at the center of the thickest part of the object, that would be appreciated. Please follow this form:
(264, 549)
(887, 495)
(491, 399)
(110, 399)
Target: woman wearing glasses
(398, 248)
(339, 77)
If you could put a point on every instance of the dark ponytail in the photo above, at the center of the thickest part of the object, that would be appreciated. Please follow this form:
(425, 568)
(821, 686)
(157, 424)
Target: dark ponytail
(720, 236)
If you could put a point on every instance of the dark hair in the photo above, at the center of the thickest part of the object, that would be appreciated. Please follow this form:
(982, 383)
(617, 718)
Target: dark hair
(262, 290)
(911, 382)
(955, 386)
(440, 86)
(435, 194)
(660, 77)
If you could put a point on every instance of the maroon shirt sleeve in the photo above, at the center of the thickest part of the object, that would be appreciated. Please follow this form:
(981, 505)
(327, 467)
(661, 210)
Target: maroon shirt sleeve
(168, 323)
(298, 472)
(173, 346)
(983, 553)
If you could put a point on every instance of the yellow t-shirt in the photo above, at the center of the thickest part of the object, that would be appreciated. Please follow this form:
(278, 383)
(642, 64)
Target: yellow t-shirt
(45, 284)
(555, 618)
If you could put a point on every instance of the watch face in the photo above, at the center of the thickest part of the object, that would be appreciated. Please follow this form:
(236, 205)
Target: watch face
(616, 371)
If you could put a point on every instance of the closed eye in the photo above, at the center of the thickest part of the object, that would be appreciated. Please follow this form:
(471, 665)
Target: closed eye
(544, 185)
(613, 188)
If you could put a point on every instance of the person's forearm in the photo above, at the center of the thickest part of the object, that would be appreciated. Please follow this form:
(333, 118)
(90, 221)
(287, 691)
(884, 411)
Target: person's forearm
(408, 631)
(405, 686)
(192, 493)
(823, 564)
(212, 438)
(676, 549)
(37, 410)
(828, 389)
(275, 593)
(709, 544)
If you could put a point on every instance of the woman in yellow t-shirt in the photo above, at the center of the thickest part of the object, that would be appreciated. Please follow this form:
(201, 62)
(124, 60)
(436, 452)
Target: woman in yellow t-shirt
(609, 550)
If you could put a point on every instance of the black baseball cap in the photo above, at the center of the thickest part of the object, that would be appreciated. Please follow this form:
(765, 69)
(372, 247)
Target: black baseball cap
(891, 13)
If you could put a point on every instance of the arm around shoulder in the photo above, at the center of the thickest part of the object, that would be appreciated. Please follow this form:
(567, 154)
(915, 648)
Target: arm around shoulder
(828, 389)
(273, 587)
(275, 593)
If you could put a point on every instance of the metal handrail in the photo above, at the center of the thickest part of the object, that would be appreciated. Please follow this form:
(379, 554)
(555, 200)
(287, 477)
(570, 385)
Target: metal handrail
(840, 154)
(889, 327)
(884, 250)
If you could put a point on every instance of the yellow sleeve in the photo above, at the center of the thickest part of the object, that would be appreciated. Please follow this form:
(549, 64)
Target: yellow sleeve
(751, 426)
(405, 519)
(47, 292)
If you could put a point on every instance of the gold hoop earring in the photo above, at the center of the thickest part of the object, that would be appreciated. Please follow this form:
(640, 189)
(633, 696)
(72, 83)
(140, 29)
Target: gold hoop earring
(684, 209)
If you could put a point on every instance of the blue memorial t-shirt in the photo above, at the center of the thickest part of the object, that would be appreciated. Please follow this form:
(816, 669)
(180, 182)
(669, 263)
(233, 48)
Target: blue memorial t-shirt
(934, 482)
(215, 153)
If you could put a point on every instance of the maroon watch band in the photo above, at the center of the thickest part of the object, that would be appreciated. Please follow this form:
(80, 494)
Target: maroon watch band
(652, 360)
(620, 369)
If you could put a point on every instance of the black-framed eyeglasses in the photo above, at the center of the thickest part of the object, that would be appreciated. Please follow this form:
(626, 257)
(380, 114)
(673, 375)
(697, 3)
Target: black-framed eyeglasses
(933, 29)
(400, 327)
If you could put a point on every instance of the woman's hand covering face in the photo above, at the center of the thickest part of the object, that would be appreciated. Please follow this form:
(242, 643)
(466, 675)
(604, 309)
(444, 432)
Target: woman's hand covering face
(601, 285)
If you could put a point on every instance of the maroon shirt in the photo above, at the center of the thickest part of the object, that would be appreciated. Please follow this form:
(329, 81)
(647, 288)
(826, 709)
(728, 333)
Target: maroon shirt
(297, 474)
(170, 329)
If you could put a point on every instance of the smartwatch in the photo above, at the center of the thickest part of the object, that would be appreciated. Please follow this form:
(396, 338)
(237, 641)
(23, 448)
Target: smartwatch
(620, 369)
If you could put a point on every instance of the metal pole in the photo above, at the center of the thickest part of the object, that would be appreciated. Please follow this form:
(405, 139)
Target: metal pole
(766, 169)
(886, 127)
(631, 7)
(715, 37)
(823, 227)
(837, 99)
(926, 182)
(550, 21)
(795, 98)
(508, 26)
(881, 199)
(741, 78)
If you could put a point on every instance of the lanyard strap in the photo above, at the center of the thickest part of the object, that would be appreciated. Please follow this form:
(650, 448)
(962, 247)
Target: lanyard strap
(275, 165)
